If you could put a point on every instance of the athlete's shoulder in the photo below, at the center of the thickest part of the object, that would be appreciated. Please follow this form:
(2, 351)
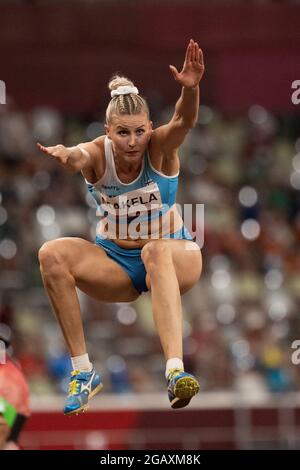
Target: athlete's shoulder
(95, 169)
(99, 141)
(165, 161)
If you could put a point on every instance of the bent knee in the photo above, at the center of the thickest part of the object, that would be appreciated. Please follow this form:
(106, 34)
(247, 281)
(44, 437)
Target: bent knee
(51, 256)
(155, 252)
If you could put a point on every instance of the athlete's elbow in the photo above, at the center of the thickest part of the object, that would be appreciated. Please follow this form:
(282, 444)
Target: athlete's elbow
(187, 121)
(76, 167)
(72, 167)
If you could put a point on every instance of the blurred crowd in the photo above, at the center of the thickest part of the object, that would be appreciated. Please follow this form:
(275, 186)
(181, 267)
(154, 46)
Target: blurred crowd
(241, 318)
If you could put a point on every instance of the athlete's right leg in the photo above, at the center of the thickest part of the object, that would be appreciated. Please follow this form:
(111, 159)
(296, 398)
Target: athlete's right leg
(67, 263)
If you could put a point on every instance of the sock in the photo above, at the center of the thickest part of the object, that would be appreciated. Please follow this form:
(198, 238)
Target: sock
(81, 363)
(173, 363)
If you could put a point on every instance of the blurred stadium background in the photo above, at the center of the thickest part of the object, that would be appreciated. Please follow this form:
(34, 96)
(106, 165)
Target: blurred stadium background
(242, 161)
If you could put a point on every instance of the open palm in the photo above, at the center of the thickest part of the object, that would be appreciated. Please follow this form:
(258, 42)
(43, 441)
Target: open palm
(193, 67)
(59, 152)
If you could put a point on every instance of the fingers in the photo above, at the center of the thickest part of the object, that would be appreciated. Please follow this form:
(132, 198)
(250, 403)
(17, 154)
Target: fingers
(200, 56)
(174, 71)
(59, 152)
(42, 148)
(196, 54)
(48, 150)
(193, 51)
(188, 52)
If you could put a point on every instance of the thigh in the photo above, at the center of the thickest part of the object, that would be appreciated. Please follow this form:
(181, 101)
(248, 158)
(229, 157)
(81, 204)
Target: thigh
(187, 260)
(94, 272)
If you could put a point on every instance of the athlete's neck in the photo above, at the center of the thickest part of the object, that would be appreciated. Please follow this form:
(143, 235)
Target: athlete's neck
(127, 167)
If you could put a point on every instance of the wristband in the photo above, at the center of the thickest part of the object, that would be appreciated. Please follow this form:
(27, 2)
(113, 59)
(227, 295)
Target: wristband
(8, 412)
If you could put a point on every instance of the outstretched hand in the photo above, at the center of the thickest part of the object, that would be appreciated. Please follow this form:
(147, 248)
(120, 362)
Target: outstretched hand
(59, 152)
(193, 67)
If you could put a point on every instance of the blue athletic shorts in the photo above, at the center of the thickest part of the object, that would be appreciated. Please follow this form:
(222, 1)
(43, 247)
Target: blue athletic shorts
(130, 259)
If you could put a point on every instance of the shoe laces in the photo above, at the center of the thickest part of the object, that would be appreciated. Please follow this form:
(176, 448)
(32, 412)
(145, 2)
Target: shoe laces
(74, 386)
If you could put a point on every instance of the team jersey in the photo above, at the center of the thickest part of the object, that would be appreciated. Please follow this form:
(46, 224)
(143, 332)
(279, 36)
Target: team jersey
(143, 208)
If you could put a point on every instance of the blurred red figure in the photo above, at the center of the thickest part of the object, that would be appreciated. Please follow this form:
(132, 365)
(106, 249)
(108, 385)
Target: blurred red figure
(14, 404)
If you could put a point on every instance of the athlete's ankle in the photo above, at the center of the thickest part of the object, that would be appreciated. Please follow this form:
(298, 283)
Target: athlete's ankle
(173, 363)
(81, 362)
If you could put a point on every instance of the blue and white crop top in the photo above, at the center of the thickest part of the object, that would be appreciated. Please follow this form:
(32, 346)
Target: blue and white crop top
(144, 208)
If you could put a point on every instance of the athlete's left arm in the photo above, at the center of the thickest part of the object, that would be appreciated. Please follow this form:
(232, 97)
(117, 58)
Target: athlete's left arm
(172, 135)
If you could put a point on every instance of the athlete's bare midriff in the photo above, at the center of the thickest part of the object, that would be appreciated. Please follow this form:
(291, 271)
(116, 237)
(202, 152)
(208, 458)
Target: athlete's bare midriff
(131, 244)
(167, 166)
(174, 223)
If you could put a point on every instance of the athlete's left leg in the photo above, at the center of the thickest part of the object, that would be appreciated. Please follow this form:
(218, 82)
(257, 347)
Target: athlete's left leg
(173, 267)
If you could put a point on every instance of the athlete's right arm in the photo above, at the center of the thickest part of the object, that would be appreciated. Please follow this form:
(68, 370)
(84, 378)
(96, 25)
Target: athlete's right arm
(75, 158)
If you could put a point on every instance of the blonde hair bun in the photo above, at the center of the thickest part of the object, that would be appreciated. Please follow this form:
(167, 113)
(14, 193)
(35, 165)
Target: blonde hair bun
(118, 80)
(126, 100)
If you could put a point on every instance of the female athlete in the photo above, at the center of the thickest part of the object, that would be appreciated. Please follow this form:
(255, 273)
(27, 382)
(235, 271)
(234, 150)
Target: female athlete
(141, 242)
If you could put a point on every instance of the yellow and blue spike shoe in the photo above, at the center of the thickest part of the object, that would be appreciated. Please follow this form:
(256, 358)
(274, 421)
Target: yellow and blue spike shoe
(83, 386)
(181, 388)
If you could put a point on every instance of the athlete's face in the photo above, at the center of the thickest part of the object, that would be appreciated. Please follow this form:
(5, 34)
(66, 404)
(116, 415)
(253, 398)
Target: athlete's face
(130, 135)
